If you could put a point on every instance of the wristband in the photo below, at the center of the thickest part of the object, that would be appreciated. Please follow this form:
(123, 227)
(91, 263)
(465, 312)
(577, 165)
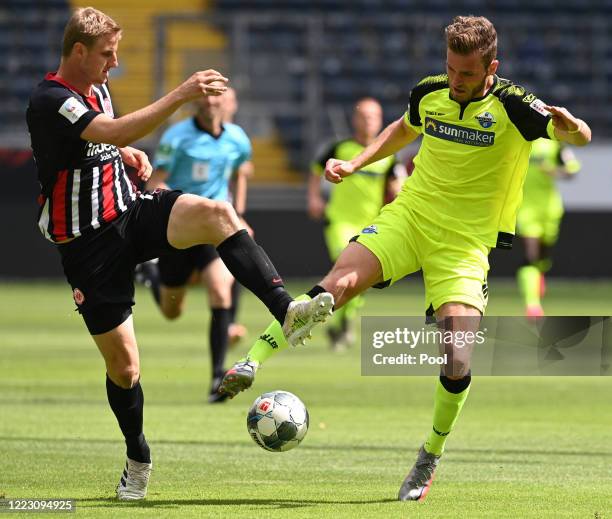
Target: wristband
(577, 130)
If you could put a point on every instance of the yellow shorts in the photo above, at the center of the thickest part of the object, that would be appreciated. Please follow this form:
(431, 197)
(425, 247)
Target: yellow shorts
(338, 235)
(542, 223)
(454, 265)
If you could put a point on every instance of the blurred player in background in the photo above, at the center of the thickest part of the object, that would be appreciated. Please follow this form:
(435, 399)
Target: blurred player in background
(102, 227)
(460, 202)
(353, 204)
(539, 217)
(200, 155)
(148, 272)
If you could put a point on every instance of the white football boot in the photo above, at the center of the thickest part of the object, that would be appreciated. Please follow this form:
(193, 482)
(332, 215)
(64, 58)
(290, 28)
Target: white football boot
(134, 480)
(302, 316)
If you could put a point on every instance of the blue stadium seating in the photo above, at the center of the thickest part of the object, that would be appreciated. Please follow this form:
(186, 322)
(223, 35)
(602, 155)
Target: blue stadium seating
(560, 49)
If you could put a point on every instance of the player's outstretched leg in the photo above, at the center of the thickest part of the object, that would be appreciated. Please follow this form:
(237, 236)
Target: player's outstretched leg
(195, 220)
(303, 314)
(356, 270)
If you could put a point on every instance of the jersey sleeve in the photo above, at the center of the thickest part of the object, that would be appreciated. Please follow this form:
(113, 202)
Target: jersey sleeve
(64, 112)
(412, 117)
(317, 167)
(528, 114)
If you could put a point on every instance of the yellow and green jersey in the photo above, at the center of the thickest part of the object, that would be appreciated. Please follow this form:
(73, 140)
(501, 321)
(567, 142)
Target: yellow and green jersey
(471, 166)
(547, 157)
(359, 197)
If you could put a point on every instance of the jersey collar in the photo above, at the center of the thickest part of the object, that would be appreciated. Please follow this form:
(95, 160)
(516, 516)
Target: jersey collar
(52, 76)
(202, 129)
(476, 99)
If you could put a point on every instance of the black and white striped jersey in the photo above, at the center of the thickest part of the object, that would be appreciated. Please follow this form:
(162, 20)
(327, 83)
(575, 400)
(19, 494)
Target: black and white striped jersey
(83, 184)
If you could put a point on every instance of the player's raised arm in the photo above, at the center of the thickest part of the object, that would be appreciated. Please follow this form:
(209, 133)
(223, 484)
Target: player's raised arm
(131, 127)
(568, 128)
(392, 139)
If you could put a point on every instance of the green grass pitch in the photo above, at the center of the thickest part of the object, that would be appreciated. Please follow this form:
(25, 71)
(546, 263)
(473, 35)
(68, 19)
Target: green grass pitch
(523, 447)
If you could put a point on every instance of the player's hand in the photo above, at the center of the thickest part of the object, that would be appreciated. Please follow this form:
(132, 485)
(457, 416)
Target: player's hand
(562, 119)
(139, 160)
(316, 206)
(208, 82)
(336, 170)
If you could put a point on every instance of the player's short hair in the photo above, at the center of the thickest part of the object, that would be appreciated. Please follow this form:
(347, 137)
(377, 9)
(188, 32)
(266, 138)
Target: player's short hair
(85, 26)
(467, 34)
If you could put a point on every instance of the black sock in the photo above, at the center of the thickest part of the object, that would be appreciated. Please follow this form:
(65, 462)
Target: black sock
(456, 386)
(315, 291)
(219, 323)
(127, 404)
(235, 297)
(251, 267)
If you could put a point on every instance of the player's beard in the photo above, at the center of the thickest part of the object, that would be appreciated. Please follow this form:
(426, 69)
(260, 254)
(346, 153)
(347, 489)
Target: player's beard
(478, 91)
(474, 93)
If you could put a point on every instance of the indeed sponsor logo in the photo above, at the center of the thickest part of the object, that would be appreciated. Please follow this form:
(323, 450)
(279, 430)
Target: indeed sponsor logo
(460, 134)
(94, 149)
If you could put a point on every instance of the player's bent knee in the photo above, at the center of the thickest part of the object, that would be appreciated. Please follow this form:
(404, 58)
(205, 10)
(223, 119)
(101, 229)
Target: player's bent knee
(218, 221)
(126, 376)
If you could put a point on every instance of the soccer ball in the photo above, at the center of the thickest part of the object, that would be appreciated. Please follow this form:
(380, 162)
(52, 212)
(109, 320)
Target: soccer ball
(277, 421)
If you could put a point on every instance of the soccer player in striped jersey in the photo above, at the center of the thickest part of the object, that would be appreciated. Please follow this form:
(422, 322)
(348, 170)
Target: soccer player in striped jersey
(102, 227)
(460, 202)
(539, 217)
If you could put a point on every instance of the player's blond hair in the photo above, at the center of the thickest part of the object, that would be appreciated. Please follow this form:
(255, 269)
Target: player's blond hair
(467, 34)
(85, 26)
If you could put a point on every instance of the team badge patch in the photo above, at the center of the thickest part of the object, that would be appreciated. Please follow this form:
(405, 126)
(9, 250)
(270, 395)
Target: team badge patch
(72, 109)
(79, 297)
(539, 107)
(486, 119)
(371, 229)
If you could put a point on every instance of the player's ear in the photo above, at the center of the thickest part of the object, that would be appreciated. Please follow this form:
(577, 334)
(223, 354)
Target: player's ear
(79, 50)
(492, 68)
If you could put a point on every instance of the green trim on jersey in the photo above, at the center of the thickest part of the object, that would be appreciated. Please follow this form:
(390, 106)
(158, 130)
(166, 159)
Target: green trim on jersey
(359, 197)
(470, 169)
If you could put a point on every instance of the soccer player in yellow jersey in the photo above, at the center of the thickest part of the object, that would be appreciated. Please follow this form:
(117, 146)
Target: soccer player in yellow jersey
(353, 204)
(540, 215)
(460, 202)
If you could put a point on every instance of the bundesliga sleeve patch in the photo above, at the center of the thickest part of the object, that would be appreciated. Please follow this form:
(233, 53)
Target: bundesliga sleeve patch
(539, 107)
(73, 109)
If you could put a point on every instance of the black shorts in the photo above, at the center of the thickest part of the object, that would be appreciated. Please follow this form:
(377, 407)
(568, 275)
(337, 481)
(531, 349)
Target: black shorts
(176, 268)
(100, 265)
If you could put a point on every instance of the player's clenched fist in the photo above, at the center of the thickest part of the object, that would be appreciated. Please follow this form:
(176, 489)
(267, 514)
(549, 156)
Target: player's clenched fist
(336, 169)
(207, 82)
